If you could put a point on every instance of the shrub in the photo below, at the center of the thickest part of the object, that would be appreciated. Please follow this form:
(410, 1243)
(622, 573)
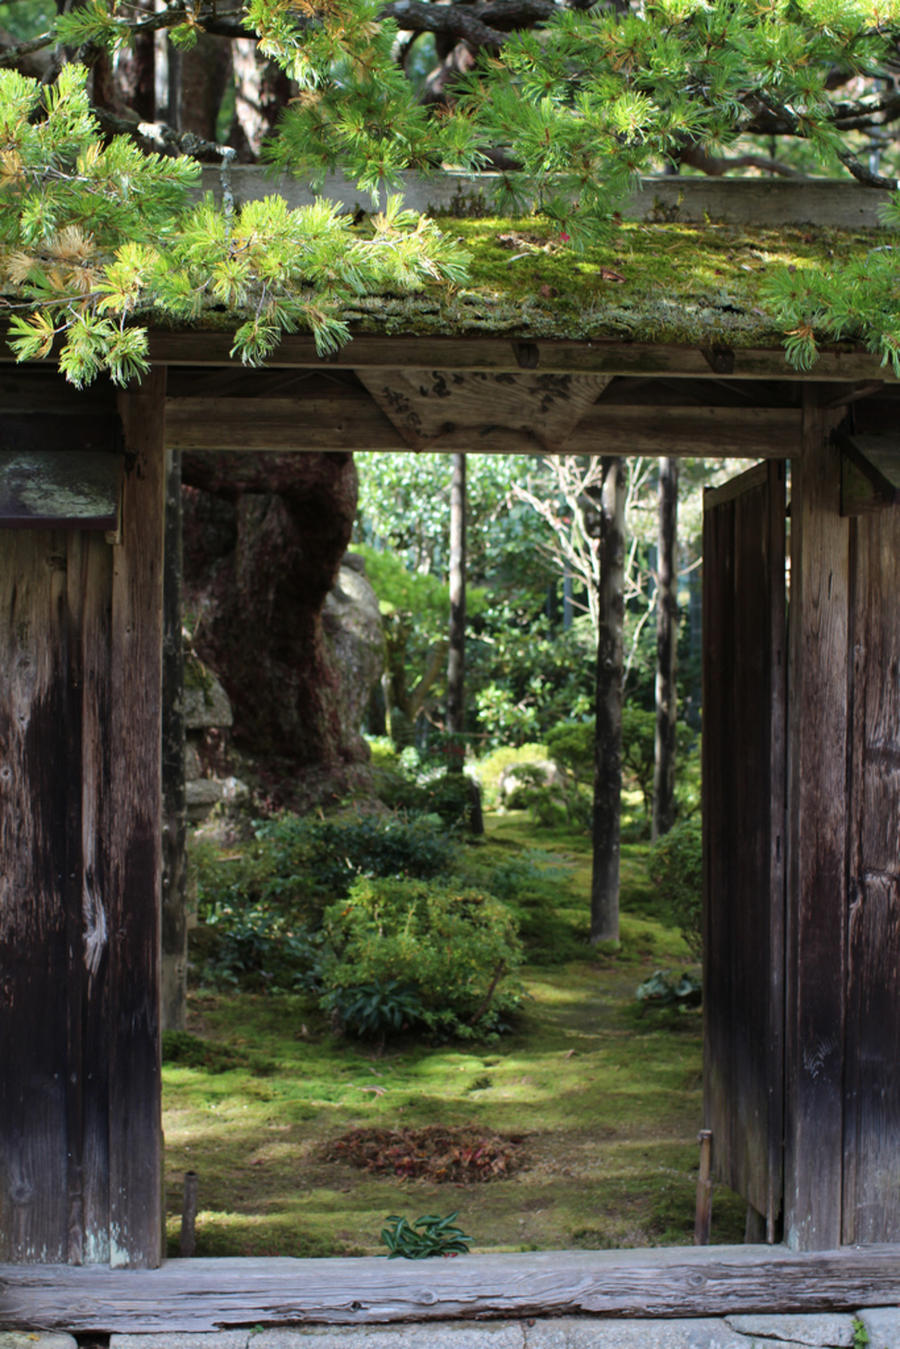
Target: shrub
(533, 886)
(403, 783)
(455, 948)
(262, 906)
(491, 768)
(676, 869)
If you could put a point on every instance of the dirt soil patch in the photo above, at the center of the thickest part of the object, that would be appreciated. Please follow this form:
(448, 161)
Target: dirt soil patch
(459, 1156)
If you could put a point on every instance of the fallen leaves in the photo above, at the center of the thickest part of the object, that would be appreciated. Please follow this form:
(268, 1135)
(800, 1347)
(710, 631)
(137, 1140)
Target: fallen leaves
(466, 1155)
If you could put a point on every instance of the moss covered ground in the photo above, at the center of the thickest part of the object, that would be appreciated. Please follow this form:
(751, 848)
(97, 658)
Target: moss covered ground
(603, 1104)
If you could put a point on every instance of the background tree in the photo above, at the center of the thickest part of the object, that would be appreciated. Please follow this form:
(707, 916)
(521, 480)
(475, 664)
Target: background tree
(666, 650)
(456, 655)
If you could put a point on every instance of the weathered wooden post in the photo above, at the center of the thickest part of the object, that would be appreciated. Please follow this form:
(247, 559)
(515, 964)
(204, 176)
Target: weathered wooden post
(80, 743)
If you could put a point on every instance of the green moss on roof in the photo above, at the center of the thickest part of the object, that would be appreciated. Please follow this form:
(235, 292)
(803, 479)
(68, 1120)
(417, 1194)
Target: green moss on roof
(672, 283)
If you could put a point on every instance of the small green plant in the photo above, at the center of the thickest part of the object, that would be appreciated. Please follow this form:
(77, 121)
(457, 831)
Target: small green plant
(662, 989)
(860, 1334)
(427, 1236)
(374, 1010)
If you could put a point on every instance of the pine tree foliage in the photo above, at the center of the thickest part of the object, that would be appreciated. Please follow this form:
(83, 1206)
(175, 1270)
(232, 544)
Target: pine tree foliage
(97, 236)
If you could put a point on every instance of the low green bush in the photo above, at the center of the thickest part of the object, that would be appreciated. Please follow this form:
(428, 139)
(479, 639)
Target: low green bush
(534, 885)
(457, 949)
(676, 869)
(491, 767)
(261, 905)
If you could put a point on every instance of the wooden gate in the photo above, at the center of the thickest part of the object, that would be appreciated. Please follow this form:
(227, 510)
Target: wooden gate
(744, 836)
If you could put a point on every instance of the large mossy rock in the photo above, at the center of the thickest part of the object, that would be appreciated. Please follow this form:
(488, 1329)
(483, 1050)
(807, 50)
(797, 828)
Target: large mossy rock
(264, 536)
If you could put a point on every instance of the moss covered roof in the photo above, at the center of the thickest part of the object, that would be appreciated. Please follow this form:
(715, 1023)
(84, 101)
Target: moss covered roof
(662, 282)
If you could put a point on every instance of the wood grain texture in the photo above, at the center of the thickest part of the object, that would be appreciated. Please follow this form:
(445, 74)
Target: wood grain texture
(204, 1294)
(133, 840)
(817, 885)
(872, 1088)
(744, 766)
(34, 936)
(378, 351)
(355, 421)
(451, 410)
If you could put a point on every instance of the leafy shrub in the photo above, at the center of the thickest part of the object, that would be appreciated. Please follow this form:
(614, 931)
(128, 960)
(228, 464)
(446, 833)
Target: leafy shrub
(262, 905)
(373, 1011)
(533, 885)
(403, 782)
(491, 768)
(676, 869)
(256, 948)
(456, 948)
(638, 749)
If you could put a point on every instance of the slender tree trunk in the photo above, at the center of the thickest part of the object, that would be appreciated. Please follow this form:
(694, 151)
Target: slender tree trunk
(666, 646)
(608, 737)
(173, 996)
(456, 658)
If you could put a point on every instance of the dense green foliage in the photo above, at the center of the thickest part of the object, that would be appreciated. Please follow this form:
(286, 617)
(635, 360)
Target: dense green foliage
(676, 869)
(98, 236)
(456, 948)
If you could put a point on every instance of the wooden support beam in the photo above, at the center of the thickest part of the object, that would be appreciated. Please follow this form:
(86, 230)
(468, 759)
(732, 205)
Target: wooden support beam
(341, 422)
(817, 847)
(355, 422)
(373, 351)
(870, 472)
(132, 838)
(208, 1294)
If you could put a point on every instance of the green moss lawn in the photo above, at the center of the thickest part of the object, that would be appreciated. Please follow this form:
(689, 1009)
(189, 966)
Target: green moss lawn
(601, 1104)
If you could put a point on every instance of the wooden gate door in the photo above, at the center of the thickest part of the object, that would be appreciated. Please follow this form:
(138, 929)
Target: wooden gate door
(744, 836)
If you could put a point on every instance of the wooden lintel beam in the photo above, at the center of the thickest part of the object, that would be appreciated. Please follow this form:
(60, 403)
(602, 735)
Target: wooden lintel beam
(372, 351)
(356, 423)
(211, 1295)
(870, 472)
(310, 424)
(750, 432)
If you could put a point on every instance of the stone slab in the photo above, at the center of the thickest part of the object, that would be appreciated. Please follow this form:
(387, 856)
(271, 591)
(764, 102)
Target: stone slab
(609, 1333)
(218, 1339)
(826, 1330)
(43, 1339)
(883, 1327)
(438, 1335)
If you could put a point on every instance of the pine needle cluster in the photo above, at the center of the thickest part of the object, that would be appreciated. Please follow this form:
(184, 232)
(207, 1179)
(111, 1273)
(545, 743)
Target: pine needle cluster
(95, 235)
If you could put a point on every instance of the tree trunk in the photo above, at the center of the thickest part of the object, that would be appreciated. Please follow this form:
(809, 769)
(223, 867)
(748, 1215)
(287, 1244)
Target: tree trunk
(608, 735)
(456, 659)
(173, 997)
(264, 537)
(666, 648)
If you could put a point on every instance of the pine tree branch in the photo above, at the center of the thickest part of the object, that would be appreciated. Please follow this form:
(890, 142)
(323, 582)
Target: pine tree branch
(162, 138)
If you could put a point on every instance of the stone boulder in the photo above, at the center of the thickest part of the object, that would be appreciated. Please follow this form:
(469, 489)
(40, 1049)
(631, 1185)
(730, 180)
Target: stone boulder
(355, 633)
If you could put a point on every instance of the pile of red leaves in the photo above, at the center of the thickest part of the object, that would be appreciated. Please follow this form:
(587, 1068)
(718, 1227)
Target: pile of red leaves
(462, 1156)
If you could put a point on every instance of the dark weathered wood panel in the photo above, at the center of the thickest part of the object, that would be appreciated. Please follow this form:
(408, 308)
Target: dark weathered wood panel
(872, 1085)
(743, 746)
(133, 839)
(816, 935)
(90, 587)
(204, 1295)
(34, 772)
